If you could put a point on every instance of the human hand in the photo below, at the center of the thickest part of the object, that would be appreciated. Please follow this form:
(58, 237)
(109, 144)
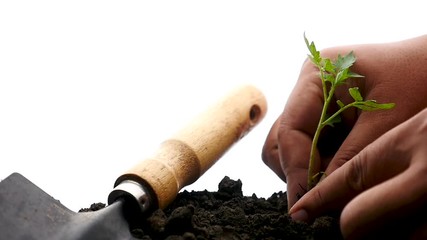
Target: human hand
(382, 191)
(394, 72)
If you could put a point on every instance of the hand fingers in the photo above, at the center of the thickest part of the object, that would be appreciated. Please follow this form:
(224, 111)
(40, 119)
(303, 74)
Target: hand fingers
(399, 197)
(391, 174)
(287, 148)
(294, 173)
(294, 152)
(376, 163)
(270, 152)
(382, 85)
(380, 207)
(296, 129)
(368, 127)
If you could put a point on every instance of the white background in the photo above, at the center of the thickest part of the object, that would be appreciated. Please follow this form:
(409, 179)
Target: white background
(89, 88)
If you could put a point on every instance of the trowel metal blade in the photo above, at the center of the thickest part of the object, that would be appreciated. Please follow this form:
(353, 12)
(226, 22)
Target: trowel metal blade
(27, 212)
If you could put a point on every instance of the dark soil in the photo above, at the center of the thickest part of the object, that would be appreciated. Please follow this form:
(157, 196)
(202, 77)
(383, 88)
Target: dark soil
(227, 214)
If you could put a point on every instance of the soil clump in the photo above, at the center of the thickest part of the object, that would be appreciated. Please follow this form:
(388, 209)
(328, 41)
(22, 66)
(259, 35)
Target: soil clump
(227, 214)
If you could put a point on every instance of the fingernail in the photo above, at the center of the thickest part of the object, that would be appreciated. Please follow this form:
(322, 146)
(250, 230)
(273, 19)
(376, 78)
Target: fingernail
(300, 216)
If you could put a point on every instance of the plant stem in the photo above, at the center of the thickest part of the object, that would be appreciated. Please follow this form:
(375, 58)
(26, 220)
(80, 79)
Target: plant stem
(338, 113)
(312, 168)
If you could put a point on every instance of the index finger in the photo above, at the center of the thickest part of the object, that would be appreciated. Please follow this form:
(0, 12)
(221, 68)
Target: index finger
(296, 128)
(373, 165)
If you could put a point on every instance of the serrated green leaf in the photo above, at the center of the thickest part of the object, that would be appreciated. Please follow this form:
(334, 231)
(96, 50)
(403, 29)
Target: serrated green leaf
(340, 104)
(355, 94)
(341, 77)
(328, 66)
(315, 55)
(345, 62)
(371, 105)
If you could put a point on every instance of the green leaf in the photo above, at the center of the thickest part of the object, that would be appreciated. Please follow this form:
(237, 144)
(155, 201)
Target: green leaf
(340, 104)
(354, 75)
(328, 66)
(315, 55)
(329, 78)
(355, 94)
(345, 62)
(341, 77)
(371, 105)
(331, 122)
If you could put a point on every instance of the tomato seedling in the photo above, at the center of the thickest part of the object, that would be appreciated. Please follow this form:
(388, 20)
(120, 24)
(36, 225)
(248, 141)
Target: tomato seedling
(334, 73)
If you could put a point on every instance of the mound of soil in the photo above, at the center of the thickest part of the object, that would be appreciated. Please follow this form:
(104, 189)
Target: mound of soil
(227, 214)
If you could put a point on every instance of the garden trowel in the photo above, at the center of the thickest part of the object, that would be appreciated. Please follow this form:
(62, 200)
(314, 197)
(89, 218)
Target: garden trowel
(27, 212)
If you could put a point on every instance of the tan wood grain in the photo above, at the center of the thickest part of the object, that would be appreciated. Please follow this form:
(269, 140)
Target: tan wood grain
(189, 153)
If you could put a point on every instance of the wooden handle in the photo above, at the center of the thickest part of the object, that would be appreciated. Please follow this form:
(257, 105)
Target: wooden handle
(184, 157)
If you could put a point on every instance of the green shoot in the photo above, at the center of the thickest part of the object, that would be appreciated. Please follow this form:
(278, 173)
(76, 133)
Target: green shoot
(334, 73)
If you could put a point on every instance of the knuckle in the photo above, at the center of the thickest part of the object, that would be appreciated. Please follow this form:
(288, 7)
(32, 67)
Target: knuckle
(269, 153)
(355, 174)
(282, 128)
(318, 198)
